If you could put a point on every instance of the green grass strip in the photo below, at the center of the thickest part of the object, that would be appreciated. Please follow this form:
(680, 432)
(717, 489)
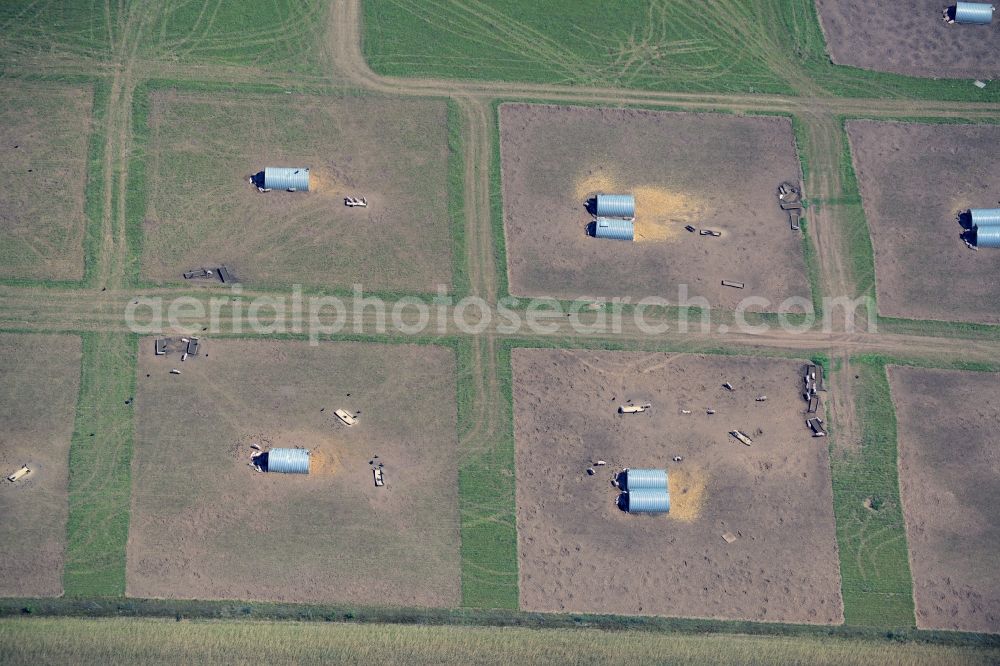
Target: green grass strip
(874, 565)
(486, 491)
(100, 460)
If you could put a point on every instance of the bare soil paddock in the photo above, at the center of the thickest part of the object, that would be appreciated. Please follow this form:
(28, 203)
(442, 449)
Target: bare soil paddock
(949, 477)
(908, 37)
(39, 381)
(44, 129)
(914, 178)
(206, 525)
(201, 211)
(580, 553)
(708, 170)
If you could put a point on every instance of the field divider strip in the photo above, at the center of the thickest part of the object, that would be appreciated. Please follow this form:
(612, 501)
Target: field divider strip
(100, 462)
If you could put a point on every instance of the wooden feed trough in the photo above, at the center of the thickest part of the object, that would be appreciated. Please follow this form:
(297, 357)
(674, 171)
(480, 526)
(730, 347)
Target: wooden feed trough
(19, 474)
(347, 418)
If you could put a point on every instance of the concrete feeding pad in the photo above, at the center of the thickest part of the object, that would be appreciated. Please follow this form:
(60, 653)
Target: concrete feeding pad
(711, 171)
(949, 478)
(908, 37)
(580, 553)
(44, 129)
(39, 381)
(914, 178)
(206, 525)
(202, 211)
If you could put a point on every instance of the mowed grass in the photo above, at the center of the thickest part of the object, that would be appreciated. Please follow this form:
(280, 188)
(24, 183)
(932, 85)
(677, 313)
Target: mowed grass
(582, 42)
(874, 564)
(761, 46)
(486, 486)
(81, 641)
(280, 35)
(100, 460)
(44, 131)
(200, 209)
(82, 29)
(39, 377)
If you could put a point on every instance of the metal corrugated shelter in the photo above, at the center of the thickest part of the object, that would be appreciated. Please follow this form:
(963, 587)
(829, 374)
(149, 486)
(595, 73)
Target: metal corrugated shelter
(615, 205)
(288, 461)
(614, 229)
(985, 217)
(980, 13)
(646, 479)
(286, 178)
(988, 236)
(648, 501)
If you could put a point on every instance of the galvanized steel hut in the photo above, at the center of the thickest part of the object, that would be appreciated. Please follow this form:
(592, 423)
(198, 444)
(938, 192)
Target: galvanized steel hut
(648, 501)
(293, 179)
(645, 479)
(288, 461)
(614, 229)
(985, 217)
(615, 205)
(988, 236)
(979, 13)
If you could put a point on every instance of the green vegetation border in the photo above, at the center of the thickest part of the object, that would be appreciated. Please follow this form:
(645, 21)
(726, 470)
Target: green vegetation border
(199, 609)
(874, 560)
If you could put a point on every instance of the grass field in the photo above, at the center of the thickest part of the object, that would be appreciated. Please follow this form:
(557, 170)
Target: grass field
(32, 641)
(769, 46)
(280, 35)
(100, 461)
(486, 494)
(69, 30)
(874, 565)
(200, 209)
(44, 132)
(39, 377)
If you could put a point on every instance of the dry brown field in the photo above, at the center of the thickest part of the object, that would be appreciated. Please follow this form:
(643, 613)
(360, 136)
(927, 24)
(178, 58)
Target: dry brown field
(908, 37)
(44, 130)
(580, 553)
(205, 524)
(201, 210)
(39, 381)
(949, 478)
(708, 170)
(914, 180)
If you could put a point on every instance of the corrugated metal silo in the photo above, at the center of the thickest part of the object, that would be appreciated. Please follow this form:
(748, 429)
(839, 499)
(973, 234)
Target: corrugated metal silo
(615, 205)
(988, 236)
(648, 501)
(646, 479)
(288, 461)
(973, 12)
(985, 217)
(614, 229)
(287, 178)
